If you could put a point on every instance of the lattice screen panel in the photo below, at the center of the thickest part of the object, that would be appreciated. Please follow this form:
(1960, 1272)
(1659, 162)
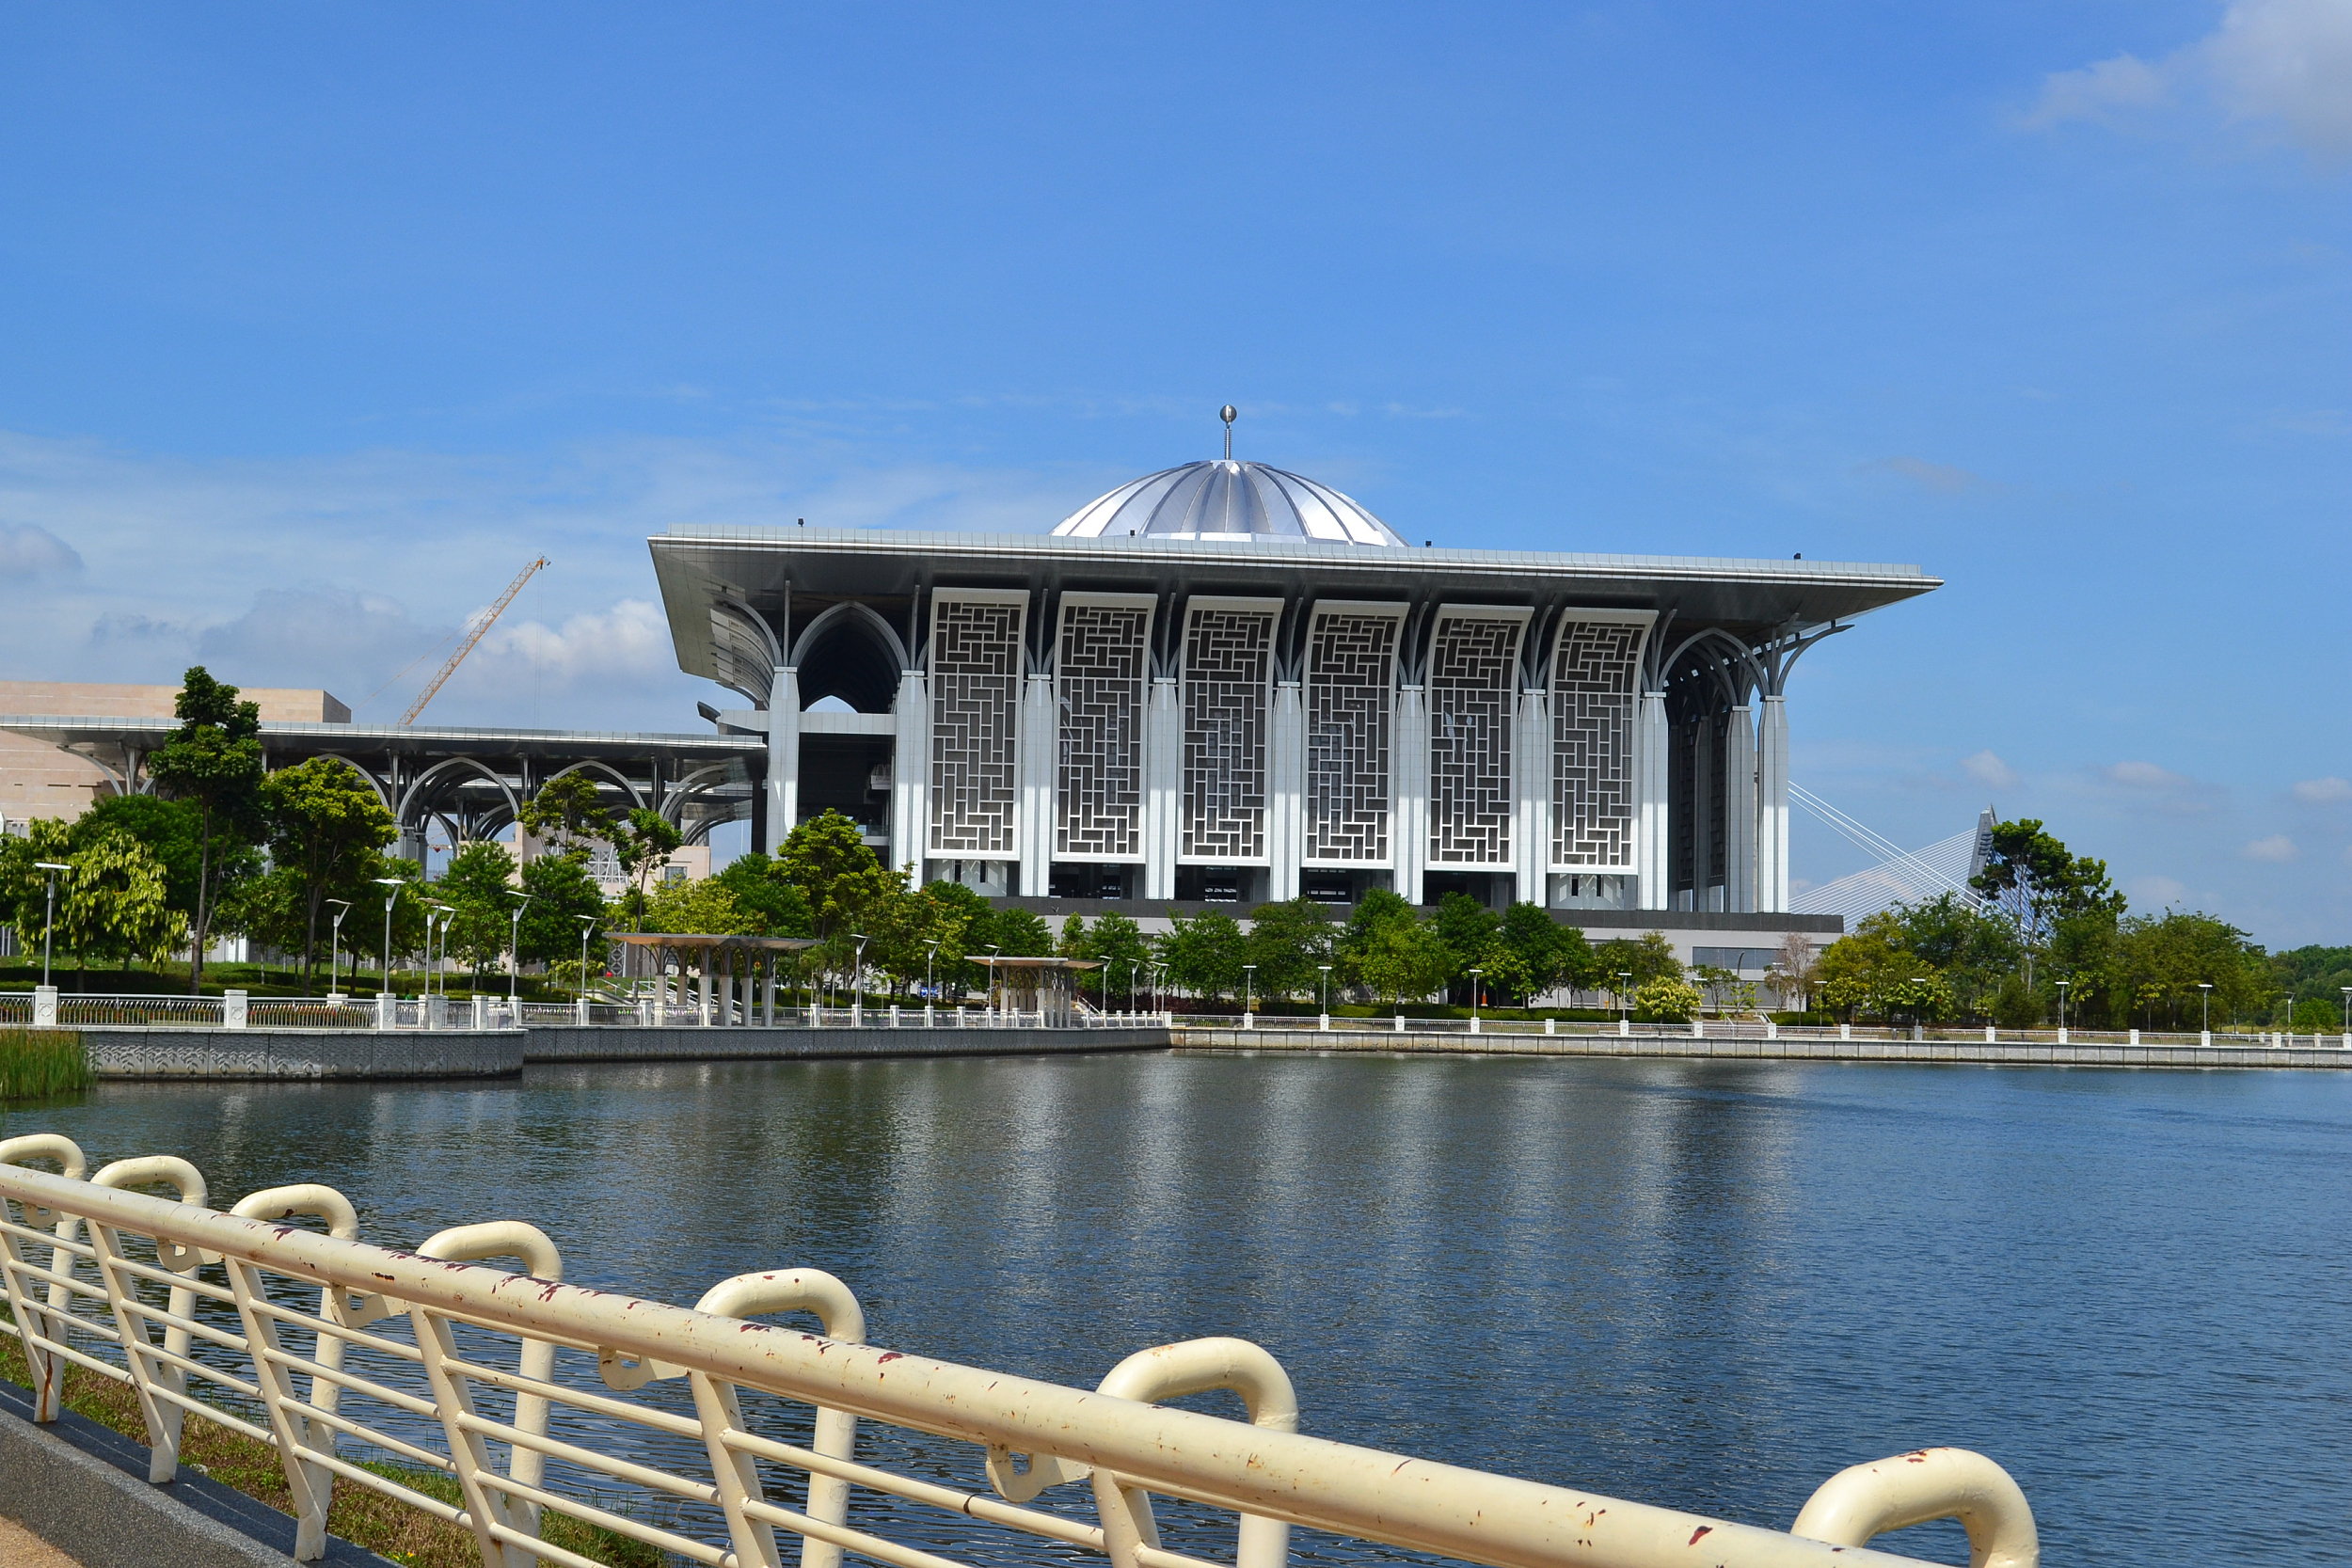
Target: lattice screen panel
(1101, 670)
(1470, 697)
(1350, 695)
(975, 701)
(1228, 659)
(1592, 744)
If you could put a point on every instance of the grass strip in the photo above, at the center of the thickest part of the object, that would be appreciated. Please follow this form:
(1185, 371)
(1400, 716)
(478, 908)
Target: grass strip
(383, 1525)
(37, 1064)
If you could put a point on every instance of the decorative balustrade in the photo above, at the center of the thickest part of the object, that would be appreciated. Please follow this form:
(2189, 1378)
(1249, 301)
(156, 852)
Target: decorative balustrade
(708, 1434)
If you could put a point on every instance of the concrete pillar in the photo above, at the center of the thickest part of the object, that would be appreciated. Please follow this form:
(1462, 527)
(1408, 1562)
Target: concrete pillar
(1163, 787)
(910, 774)
(1286, 792)
(1409, 815)
(1530, 787)
(1034, 749)
(232, 1013)
(703, 997)
(1704, 762)
(783, 758)
(45, 1008)
(768, 995)
(1654, 883)
(1740, 812)
(1772, 813)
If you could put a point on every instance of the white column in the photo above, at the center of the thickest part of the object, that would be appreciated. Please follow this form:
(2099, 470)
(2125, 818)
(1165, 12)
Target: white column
(783, 758)
(1286, 784)
(910, 773)
(1771, 813)
(1531, 786)
(1740, 812)
(1036, 751)
(1163, 787)
(1654, 890)
(1408, 812)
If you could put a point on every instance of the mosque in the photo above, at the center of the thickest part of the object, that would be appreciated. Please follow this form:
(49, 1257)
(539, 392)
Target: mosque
(1226, 682)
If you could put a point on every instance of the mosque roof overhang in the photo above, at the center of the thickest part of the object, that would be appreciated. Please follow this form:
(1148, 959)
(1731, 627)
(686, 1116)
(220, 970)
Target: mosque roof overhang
(282, 740)
(704, 569)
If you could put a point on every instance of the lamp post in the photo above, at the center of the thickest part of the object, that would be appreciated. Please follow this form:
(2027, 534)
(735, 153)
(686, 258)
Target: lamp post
(444, 913)
(1474, 975)
(1131, 987)
(515, 952)
(51, 918)
(1324, 990)
(2062, 985)
(991, 980)
(931, 959)
(2204, 999)
(392, 886)
(1623, 975)
(1248, 993)
(587, 926)
(334, 943)
(857, 981)
(2347, 1009)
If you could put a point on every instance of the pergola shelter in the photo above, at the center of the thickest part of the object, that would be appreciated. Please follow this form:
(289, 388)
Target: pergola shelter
(1046, 986)
(736, 958)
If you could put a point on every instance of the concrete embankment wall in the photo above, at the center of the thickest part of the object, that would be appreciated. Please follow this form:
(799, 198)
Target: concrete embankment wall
(691, 1044)
(118, 1053)
(1671, 1047)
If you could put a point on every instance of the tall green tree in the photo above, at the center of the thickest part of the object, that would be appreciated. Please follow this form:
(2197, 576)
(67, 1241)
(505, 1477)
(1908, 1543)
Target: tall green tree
(1203, 955)
(23, 886)
(642, 842)
(214, 762)
(1470, 928)
(2037, 883)
(1290, 941)
(476, 884)
(323, 819)
(169, 829)
(113, 905)
(1401, 959)
(561, 894)
(1379, 909)
(567, 815)
(760, 888)
(1535, 954)
(1117, 943)
(1646, 957)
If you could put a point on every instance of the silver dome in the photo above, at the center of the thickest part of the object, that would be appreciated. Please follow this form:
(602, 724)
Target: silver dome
(1227, 500)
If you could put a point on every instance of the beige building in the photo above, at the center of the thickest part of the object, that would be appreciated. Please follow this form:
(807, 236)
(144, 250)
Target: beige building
(37, 779)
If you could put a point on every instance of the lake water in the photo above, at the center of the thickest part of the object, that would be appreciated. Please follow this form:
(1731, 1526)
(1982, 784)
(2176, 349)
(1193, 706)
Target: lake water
(1704, 1285)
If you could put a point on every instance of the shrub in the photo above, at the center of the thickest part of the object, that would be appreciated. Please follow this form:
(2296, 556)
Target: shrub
(1665, 1001)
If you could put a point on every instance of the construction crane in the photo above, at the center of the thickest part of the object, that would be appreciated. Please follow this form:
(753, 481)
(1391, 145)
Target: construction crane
(472, 636)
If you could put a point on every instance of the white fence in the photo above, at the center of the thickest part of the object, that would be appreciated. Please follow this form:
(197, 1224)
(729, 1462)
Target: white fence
(1763, 1029)
(705, 1434)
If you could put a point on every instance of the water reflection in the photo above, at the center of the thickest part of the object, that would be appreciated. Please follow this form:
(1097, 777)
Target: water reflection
(1709, 1285)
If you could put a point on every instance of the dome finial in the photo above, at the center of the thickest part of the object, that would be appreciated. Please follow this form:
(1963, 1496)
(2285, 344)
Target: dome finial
(1229, 415)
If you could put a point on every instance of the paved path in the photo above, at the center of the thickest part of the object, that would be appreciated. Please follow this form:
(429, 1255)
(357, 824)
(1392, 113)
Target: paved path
(21, 1548)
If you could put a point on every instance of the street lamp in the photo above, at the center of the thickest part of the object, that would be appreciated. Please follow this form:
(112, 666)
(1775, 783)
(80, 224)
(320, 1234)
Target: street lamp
(1248, 990)
(515, 951)
(992, 978)
(931, 959)
(1623, 975)
(2062, 985)
(334, 943)
(51, 918)
(2205, 999)
(2347, 1009)
(587, 924)
(1324, 990)
(391, 896)
(445, 913)
(1474, 975)
(1132, 963)
(857, 978)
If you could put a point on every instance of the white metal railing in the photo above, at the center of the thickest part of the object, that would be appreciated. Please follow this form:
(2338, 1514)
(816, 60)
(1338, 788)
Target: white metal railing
(1757, 1029)
(638, 1416)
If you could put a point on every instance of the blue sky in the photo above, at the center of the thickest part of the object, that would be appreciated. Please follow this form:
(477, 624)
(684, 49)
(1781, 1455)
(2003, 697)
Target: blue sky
(319, 322)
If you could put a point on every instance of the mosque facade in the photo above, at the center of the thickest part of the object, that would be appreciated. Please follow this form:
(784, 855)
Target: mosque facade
(1226, 682)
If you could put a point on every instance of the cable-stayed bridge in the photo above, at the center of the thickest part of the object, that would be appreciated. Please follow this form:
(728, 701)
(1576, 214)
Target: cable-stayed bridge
(1900, 875)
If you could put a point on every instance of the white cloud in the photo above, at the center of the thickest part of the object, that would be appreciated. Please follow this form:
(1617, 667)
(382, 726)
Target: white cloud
(2278, 850)
(2154, 892)
(2320, 792)
(2143, 786)
(1941, 478)
(2096, 93)
(28, 550)
(2281, 64)
(1989, 770)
